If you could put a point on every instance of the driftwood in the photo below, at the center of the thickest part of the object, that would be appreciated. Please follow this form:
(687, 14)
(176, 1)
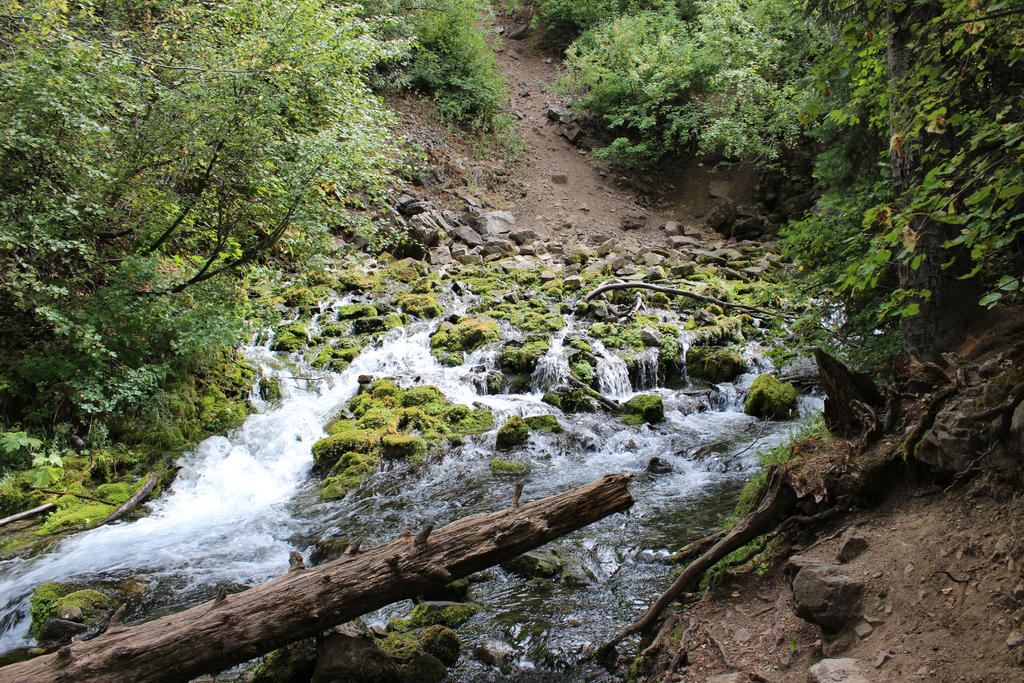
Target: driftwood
(136, 498)
(221, 633)
(27, 513)
(776, 499)
(603, 400)
(678, 292)
(850, 397)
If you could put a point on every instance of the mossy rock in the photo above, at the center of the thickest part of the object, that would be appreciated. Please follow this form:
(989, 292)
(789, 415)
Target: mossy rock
(413, 663)
(355, 280)
(449, 614)
(42, 604)
(74, 513)
(292, 663)
(465, 420)
(406, 270)
(508, 467)
(536, 564)
(402, 447)
(335, 358)
(290, 338)
(643, 408)
(442, 642)
(583, 371)
(569, 400)
(420, 396)
(770, 398)
(514, 432)
(352, 311)
(270, 389)
(544, 423)
(465, 336)
(523, 358)
(454, 591)
(376, 324)
(713, 364)
(327, 550)
(420, 305)
(329, 450)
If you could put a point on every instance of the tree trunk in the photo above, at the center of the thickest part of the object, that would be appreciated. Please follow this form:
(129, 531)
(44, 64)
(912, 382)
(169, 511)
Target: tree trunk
(942, 318)
(844, 390)
(304, 602)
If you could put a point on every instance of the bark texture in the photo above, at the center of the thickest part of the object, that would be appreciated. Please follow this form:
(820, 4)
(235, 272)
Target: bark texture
(236, 628)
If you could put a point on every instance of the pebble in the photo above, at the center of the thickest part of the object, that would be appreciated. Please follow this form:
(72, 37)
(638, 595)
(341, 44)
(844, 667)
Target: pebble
(881, 659)
(1014, 639)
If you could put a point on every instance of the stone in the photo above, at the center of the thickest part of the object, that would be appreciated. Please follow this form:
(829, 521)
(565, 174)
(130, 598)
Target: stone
(672, 228)
(651, 336)
(729, 678)
(547, 275)
(572, 133)
(553, 114)
(881, 659)
(722, 216)
(440, 256)
(535, 564)
(825, 595)
(845, 670)
(573, 282)
(606, 247)
(498, 246)
(493, 652)
(599, 309)
(863, 629)
(468, 235)
(1014, 639)
(496, 223)
(523, 236)
(747, 227)
(559, 178)
(682, 242)
(658, 465)
(683, 270)
(520, 32)
(770, 398)
(851, 545)
(714, 364)
(652, 259)
(346, 654)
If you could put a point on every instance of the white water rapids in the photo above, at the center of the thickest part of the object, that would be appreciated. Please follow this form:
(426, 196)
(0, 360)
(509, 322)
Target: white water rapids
(243, 500)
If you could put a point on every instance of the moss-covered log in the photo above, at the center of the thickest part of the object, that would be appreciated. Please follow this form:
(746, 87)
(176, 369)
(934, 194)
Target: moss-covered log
(235, 628)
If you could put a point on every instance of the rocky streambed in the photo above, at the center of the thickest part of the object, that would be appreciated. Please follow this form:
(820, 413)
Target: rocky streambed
(395, 395)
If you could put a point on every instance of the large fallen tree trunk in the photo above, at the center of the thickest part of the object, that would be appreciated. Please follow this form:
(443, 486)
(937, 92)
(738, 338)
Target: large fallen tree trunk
(674, 291)
(304, 602)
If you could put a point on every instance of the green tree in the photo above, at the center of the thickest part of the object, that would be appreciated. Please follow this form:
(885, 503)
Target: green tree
(149, 149)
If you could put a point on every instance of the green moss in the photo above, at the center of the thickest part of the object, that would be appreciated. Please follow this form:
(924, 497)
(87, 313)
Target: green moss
(421, 396)
(356, 311)
(713, 365)
(335, 358)
(42, 605)
(270, 389)
(536, 564)
(514, 432)
(406, 270)
(583, 371)
(508, 467)
(289, 664)
(328, 451)
(90, 602)
(465, 420)
(771, 398)
(420, 305)
(442, 642)
(465, 336)
(617, 336)
(523, 358)
(450, 614)
(569, 400)
(355, 280)
(290, 338)
(643, 408)
(74, 513)
(376, 324)
(402, 447)
(544, 423)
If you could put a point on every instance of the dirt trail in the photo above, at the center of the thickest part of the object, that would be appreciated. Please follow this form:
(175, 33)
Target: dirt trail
(568, 197)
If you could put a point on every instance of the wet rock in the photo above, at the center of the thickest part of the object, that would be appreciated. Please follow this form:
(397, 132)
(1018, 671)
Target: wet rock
(455, 591)
(658, 465)
(60, 630)
(535, 564)
(651, 336)
(327, 549)
(845, 670)
(713, 364)
(851, 545)
(441, 612)
(348, 654)
(826, 595)
(513, 433)
(643, 408)
(494, 653)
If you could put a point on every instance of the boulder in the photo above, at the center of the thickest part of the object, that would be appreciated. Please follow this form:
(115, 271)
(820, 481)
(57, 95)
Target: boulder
(496, 223)
(826, 595)
(468, 235)
(713, 364)
(770, 398)
(498, 246)
(643, 408)
(542, 564)
(493, 653)
(851, 545)
(345, 654)
(523, 236)
(514, 432)
(294, 663)
(658, 465)
(672, 229)
(651, 336)
(440, 256)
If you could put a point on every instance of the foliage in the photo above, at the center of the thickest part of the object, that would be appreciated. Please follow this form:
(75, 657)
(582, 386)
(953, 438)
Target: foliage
(725, 82)
(957, 112)
(147, 151)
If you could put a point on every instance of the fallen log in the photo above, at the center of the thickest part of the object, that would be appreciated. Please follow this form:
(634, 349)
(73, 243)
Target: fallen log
(136, 498)
(304, 602)
(603, 400)
(83, 496)
(679, 292)
(27, 513)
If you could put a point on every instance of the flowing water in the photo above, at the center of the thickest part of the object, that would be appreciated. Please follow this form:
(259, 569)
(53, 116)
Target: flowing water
(243, 500)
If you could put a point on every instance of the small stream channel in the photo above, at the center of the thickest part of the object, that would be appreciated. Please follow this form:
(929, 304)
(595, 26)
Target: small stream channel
(243, 500)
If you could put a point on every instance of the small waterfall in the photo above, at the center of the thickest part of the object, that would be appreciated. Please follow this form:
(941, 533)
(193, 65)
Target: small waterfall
(552, 368)
(612, 373)
(647, 368)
